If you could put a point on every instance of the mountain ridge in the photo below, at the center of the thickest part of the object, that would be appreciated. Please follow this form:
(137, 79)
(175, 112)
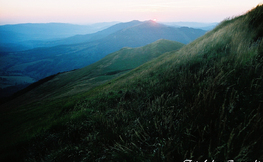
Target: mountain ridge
(113, 29)
(94, 36)
(42, 31)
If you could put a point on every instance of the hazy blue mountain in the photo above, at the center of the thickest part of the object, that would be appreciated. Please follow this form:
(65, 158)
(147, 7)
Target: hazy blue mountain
(42, 62)
(26, 36)
(94, 36)
(10, 47)
(150, 31)
(39, 63)
(46, 31)
(198, 25)
(133, 29)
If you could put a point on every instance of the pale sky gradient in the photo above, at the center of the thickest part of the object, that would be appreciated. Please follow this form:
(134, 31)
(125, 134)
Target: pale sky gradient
(91, 11)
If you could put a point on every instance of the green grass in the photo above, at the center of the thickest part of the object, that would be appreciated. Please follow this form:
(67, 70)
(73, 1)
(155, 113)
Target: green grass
(201, 102)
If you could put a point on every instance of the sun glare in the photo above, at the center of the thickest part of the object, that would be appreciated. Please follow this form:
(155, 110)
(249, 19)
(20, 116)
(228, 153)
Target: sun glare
(154, 20)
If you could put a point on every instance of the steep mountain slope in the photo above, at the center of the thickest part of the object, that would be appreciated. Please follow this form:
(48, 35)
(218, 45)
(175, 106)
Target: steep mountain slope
(39, 63)
(201, 102)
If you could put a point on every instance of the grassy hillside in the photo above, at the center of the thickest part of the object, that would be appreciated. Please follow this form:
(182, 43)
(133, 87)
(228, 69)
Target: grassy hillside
(201, 102)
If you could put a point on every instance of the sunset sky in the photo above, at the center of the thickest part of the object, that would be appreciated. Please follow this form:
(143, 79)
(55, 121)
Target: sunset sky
(91, 11)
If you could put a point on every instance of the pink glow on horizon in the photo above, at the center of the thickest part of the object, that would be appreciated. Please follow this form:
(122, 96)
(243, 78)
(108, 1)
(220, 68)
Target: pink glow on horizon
(83, 11)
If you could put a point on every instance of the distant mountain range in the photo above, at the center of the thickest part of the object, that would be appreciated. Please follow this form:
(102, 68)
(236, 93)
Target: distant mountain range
(25, 32)
(81, 38)
(79, 51)
(20, 37)
(94, 36)
(197, 25)
(25, 36)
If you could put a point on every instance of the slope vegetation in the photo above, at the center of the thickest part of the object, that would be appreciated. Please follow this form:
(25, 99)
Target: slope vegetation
(201, 102)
